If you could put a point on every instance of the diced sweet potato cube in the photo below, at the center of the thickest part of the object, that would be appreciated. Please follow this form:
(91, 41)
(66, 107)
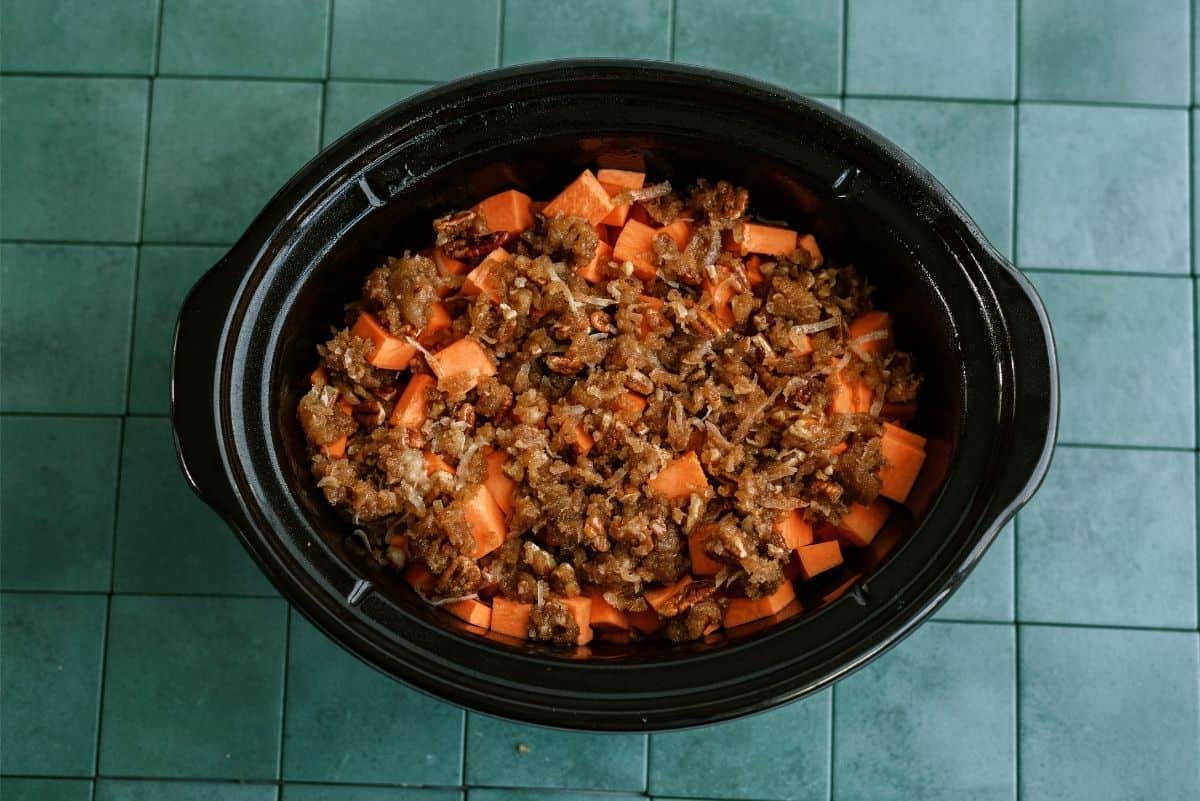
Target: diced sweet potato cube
(681, 478)
(796, 531)
(466, 357)
(435, 464)
(861, 523)
(498, 483)
(624, 179)
(481, 281)
(581, 610)
(808, 243)
(904, 435)
(680, 232)
(768, 240)
(439, 321)
(901, 464)
(474, 612)
(744, 610)
(850, 396)
(818, 557)
(605, 616)
(507, 211)
(410, 409)
(647, 621)
(485, 519)
(390, 353)
(417, 576)
(593, 272)
(629, 404)
(635, 244)
(448, 265)
(702, 563)
(872, 323)
(657, 598)
(581, 440)
(584, 197)
(510, 617)
(615, 182)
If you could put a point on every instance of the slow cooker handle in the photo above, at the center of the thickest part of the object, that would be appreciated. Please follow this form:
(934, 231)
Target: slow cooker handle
(194, 379)
(1035, 371)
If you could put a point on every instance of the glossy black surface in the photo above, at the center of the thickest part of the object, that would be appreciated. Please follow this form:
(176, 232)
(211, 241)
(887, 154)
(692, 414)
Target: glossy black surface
(245, 345)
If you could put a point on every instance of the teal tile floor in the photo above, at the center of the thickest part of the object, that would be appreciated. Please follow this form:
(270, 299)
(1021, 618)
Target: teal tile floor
(139, 140)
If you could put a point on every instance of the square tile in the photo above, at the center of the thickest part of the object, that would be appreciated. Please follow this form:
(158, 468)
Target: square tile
(17, 789)
(351, 792)
(429, 40)
(78, 36)
(266, 38)
(987, 594)
(795, 43)
(194, 687)
(1103, 189)
(535, 30)
(1106, 51)
(1195, 164)
(347, 103)
(53, 646)
(528, 756)
(1078, 563)
(59, 492)
(932, 48)
(1109, 715)
(220, 149)
(1111, 391)
(72, 157)
(333, 697)
(712, 761)
(967, 146)
(79, 362)
(933, 719)
(136, 790)
(165, 275)
(168, 540)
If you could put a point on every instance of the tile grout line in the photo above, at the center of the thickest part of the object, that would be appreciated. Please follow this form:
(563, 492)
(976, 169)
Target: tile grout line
(462, 750)
(647, 735)
(124, 425)
(501, 21)
(1014, 206)
(1192, 250)
(843, 67)
(672, 18)
(329, 16)
(200, 77)
(830, 772)
(991, 101)
(109, 596)
(254, 782)
(323, 113)
(1092, 271)
(287, 665)
(96, 243)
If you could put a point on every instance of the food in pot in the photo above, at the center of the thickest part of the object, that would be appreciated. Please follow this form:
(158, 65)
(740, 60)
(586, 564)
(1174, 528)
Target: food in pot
(632, 411)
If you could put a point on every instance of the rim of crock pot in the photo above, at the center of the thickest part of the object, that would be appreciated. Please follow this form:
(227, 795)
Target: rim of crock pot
(315, 600)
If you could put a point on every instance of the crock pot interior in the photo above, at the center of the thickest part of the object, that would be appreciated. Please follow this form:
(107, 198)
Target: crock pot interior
(848, 233)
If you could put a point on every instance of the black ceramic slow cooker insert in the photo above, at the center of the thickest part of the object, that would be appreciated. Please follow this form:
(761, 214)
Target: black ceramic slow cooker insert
(247, 332)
